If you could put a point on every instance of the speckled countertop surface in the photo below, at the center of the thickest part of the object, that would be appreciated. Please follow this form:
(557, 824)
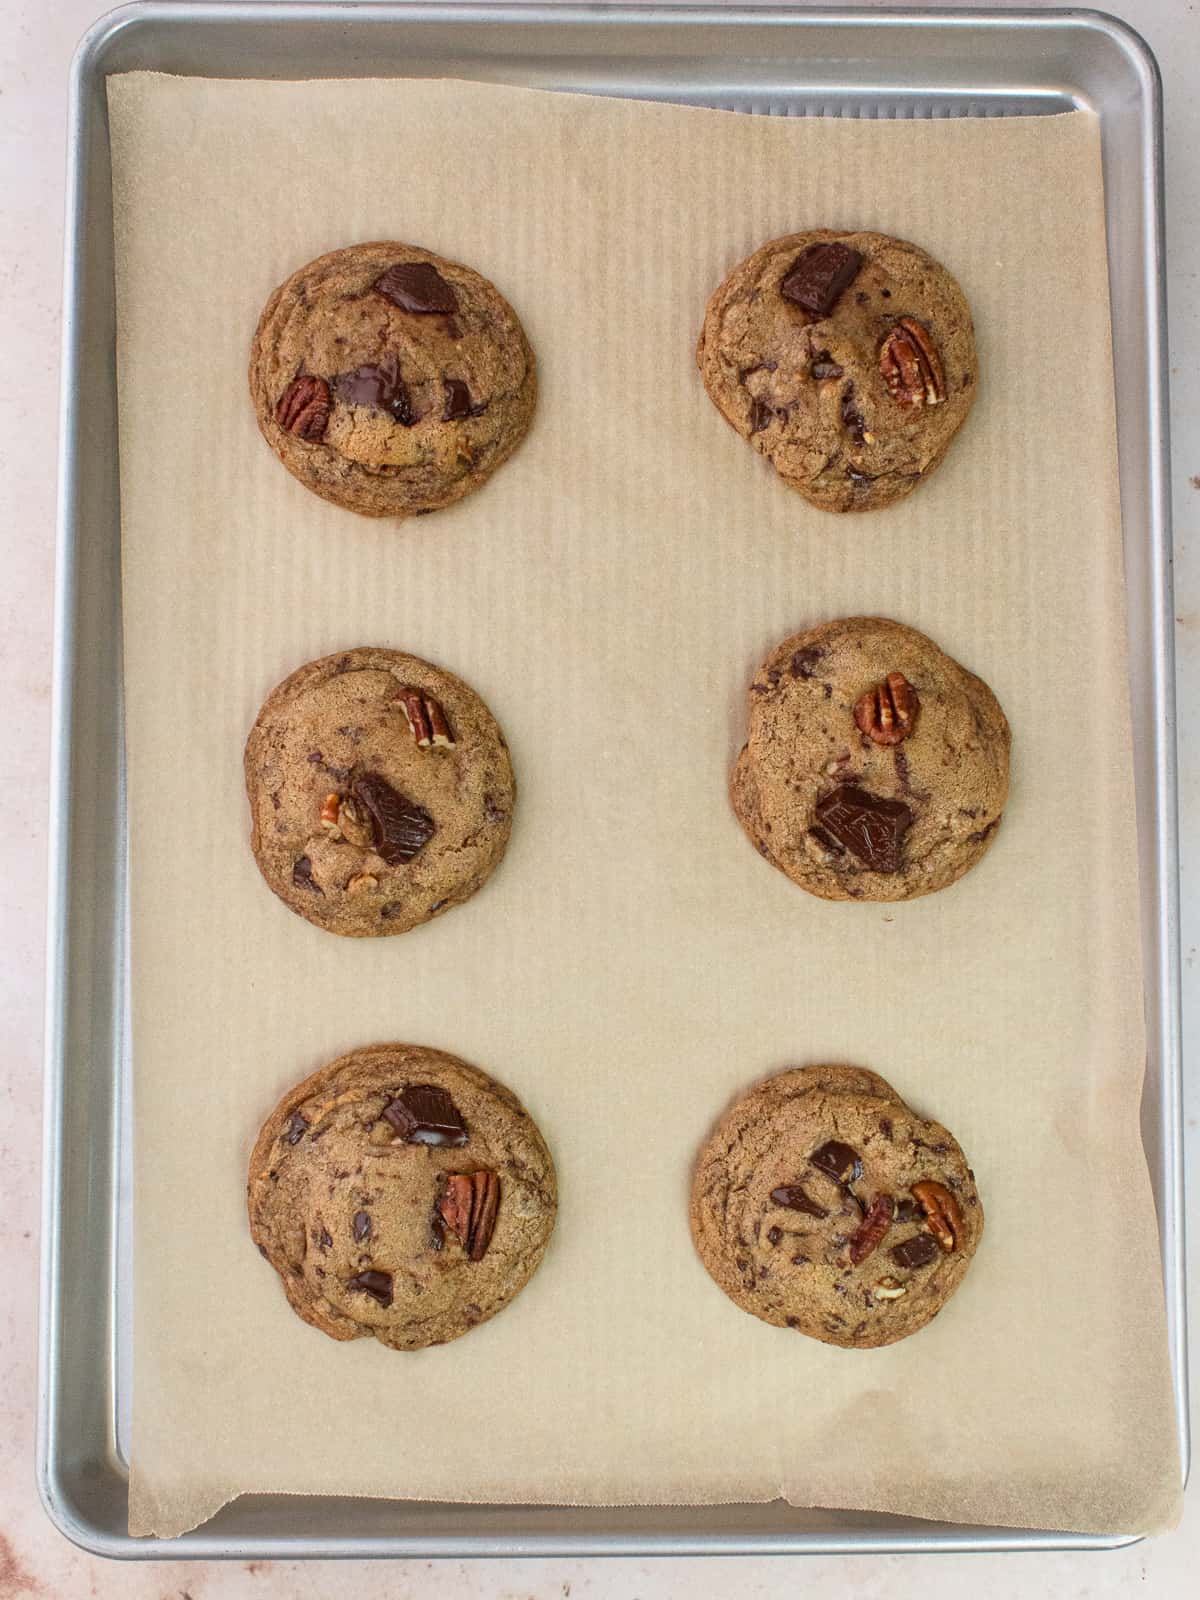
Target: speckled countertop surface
(36, 41)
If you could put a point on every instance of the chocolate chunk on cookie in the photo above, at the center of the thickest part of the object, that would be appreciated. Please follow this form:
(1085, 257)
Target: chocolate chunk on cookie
(389, 380)
(378, 1229)
(822, 1203)
(875, 768)
(847, 359)
(381, 792)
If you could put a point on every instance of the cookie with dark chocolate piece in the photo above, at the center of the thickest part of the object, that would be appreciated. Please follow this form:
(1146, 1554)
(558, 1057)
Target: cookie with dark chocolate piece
(875, 767)
(400, 1194)
(822, 1203)
(846, 359)
(381, 791)
(390, 380)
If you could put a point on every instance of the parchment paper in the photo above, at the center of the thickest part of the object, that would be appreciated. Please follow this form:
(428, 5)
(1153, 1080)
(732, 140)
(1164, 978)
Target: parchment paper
(634, 965)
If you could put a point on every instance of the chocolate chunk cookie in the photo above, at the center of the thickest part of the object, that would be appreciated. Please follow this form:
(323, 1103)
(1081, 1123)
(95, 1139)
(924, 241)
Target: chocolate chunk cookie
(822, 1203)
(876, 768)
(389, 380)
(847, 359)
(381, 792)
(400, 1193)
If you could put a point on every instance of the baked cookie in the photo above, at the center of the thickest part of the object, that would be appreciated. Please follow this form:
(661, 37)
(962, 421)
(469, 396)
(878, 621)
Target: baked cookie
(847, 359)
(389, 380)
(400, 1193)
(822, 1203)
(876, 768)
(381, 793)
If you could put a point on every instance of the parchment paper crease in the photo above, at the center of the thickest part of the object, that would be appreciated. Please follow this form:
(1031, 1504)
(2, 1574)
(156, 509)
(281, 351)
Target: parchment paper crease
(634, 965)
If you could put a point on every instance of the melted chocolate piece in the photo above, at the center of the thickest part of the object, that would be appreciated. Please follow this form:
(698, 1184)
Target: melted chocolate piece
(417, 286)
(458, 400)
(774, 1235)
(424, 1113)
(760, 416)
(324, 1238)
(302, 875)
(820, 275)
(759, 366)
(392, 910)
(400, 827)
(826, 841)
(852, 419)
(793, 1196)
(839, 1161)
(362, 1226)
(871, 829)
(983, 833)
(296, 1129)
(803, 661)
(822, 367)
(918, 1251)
(908, 1211)
(377, 1284)
(379, 387)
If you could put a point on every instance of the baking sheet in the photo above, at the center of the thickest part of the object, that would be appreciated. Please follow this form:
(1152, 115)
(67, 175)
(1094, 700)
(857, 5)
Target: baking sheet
(633, 966)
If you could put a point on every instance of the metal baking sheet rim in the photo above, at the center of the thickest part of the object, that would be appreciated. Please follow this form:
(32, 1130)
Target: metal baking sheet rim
(82, 1479)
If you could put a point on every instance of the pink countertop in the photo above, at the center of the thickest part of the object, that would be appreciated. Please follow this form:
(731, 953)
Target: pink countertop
(36, 41)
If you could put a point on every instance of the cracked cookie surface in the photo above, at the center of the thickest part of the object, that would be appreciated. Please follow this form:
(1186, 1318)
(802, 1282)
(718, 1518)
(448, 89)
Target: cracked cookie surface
(360, 1190)
(381, 792)
(390, 380)
(846, 359)
(823, 1204)
(875, 767)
